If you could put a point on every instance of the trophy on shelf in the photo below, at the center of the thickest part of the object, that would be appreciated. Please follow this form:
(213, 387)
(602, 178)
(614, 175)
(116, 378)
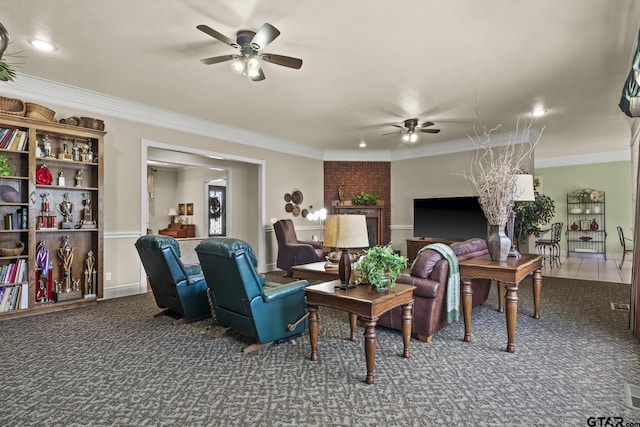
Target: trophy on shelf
(65, 154)
(46, 146)
(87, 214)
(67, 288)
(79, 178)
(76, 151)
(44, 285)
(90, 276)
(66, 208)
(45, 219)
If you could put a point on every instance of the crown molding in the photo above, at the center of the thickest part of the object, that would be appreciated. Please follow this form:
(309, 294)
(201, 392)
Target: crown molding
(46, 91)
(584, 159)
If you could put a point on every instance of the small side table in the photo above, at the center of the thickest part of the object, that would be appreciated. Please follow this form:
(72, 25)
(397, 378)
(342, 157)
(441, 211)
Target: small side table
(508, 274)
(360, 302)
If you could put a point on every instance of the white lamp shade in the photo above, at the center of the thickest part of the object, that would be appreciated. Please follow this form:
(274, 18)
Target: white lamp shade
(524, 193)
(172, 212)
(346, 231)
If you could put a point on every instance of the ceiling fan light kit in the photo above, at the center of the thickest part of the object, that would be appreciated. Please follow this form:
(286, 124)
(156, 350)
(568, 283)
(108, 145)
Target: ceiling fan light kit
(410, 130)
(250, 44)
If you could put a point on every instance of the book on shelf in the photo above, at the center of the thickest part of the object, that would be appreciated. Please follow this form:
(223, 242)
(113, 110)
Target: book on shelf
(6, 297)
(14, 297)
(7, 137)
(24, 296)
(16, 140)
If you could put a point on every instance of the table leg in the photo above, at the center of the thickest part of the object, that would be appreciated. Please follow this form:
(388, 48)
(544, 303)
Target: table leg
(500, 297)
(467, 303)
(511, 301)
(370, 348)
(537, 290)
(353, 323)
(407, 316)
(313, 331)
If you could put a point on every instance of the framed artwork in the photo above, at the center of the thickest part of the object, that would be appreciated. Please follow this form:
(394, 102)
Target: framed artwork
(189, 208)
(182, 209)
(585, 224)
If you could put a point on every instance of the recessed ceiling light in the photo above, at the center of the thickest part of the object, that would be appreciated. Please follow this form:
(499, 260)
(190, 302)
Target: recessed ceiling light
(216, 157)
(43, 45)
(362, 144)
(538, 111)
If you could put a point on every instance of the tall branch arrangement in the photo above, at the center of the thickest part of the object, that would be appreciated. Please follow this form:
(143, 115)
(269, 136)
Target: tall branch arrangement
(494, 166)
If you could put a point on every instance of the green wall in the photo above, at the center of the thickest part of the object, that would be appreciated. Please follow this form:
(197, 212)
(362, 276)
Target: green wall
(614, 178)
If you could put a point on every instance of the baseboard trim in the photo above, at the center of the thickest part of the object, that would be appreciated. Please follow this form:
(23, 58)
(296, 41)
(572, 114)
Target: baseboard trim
(122, 291)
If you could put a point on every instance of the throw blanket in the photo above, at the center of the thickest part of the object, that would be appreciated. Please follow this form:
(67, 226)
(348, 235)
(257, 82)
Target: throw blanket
(452, 297)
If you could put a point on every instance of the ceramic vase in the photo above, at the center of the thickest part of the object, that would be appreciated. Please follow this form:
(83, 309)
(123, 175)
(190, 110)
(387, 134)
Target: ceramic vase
(498, 243)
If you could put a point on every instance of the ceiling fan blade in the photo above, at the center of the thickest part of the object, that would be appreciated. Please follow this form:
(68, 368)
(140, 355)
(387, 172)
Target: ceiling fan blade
(257, 77)
(217, 59)
(427, 124)
(265, 35)
(393, 133)
(399, 126)
(430, 130)
(285, 61)
(216, 35)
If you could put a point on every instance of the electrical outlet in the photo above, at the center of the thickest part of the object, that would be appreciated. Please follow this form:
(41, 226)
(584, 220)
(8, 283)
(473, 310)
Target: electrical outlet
(107, 276)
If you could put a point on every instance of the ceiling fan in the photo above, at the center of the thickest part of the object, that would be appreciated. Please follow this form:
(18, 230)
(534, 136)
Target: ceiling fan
(410, 130)
(250, 45)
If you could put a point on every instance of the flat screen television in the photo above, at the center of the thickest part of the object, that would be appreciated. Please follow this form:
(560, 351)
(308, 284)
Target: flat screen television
(455, 218)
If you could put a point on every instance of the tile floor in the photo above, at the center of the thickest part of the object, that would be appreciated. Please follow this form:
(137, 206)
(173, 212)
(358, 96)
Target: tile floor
(591, 269)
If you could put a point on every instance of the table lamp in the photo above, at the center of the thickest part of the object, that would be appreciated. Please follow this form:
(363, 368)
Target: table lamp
(172, 214)
(524, 193)
(346, 232)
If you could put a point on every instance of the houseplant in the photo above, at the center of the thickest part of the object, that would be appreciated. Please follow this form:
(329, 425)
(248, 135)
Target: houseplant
(492, 174)
(364, 198)
(380, 266)
(530, 216)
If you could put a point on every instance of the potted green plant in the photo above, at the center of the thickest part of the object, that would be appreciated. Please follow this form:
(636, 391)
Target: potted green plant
(364, 198)
(530, 216)
(380, 266)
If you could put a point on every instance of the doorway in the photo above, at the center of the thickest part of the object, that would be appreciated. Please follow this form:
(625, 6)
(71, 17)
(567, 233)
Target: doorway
(244, 213)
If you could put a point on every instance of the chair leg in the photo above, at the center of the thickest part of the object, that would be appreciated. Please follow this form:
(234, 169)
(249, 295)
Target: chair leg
(622, 261)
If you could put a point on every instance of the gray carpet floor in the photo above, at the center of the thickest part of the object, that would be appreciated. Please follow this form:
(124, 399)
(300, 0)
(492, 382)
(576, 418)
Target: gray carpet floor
(115, 364)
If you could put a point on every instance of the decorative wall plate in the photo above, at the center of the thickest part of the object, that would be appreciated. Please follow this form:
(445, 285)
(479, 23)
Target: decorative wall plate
(287, 197)
(288, 207)
(296, 210)
(296, 197)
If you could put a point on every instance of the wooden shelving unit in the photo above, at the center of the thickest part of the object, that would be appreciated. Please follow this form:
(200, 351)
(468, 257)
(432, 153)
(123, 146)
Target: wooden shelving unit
(82, 168)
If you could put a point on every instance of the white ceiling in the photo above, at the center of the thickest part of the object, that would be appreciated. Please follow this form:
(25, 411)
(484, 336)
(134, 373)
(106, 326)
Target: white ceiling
(367, 65)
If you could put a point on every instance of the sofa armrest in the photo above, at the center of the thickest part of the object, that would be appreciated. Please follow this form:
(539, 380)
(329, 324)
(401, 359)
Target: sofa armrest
(316, 245)
(193, 269)
(274, 292)
(195, 279)
(425, 288)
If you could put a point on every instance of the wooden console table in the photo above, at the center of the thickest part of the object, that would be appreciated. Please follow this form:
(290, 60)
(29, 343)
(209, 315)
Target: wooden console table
(508, 274)
(360, 302)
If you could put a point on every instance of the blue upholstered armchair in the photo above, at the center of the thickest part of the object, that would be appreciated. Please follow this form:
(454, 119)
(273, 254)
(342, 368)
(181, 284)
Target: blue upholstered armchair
(243, 300)
(176, 287)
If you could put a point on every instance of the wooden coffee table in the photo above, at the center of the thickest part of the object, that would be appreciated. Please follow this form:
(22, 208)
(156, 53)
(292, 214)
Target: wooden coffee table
(315, 271)
(360, 302)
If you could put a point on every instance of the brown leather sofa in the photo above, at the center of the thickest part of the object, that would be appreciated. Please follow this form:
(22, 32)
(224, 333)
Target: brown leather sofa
(429, 274)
